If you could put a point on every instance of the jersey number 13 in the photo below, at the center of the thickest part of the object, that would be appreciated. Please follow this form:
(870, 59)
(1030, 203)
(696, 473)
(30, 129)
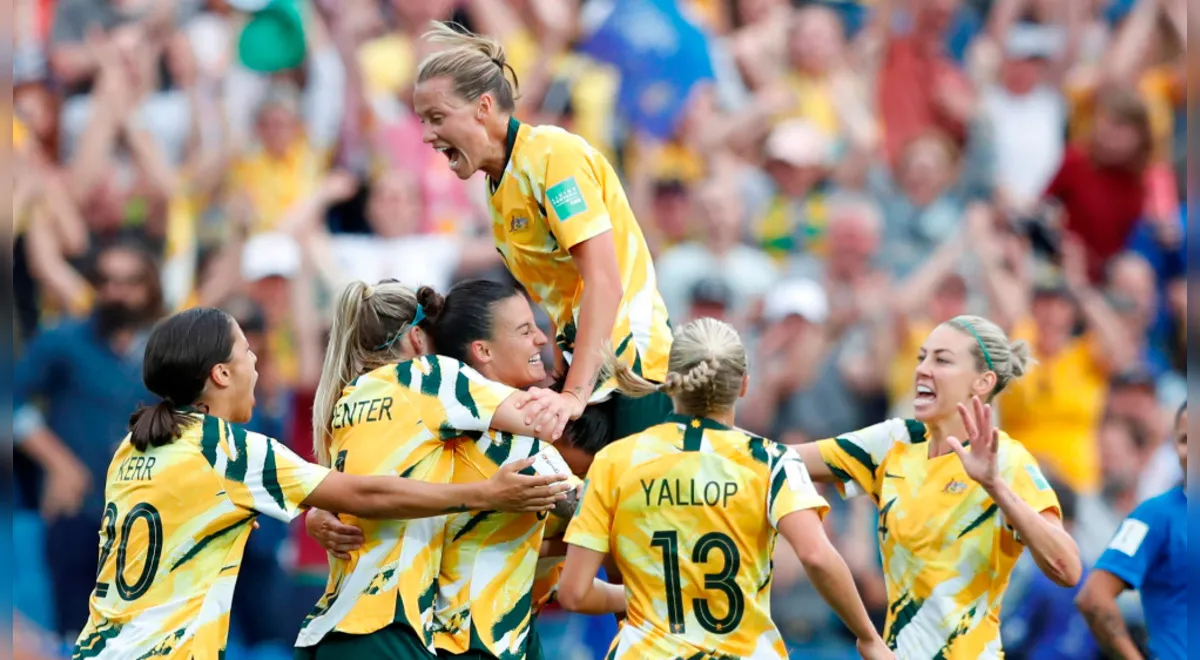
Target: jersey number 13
(724, 581)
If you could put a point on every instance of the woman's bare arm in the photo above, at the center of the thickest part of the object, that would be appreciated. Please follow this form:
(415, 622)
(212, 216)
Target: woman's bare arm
(386, 497)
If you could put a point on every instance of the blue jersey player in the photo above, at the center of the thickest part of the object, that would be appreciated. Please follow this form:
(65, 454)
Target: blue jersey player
(1149, 554)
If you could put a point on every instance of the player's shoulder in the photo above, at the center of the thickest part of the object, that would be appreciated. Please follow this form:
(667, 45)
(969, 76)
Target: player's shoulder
(887, 434)
(1013, 454)
(544, 141)
(742, 443)
(1161, 506)
(549, 135)
(619, 451)
(424, 370)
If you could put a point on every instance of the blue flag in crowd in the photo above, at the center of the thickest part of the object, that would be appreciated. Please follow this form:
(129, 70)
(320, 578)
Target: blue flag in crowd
(660, 54)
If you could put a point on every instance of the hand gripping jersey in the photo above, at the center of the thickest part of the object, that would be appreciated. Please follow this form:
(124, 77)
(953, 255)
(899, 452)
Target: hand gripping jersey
(689, 510)
(175, 524)
(557, 192)
(489, 558)
(947, 551)
(397, 420)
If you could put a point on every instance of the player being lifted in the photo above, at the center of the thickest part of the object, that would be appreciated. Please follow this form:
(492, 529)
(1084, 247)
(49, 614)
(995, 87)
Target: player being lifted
(562, 222)
(690, 510)
(185, 486)
(951, 529)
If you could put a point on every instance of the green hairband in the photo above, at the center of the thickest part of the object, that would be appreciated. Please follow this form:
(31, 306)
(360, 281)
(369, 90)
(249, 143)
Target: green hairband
(986, 356)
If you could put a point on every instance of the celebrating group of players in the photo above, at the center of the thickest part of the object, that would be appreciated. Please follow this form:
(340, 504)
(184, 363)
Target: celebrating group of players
(456, 475)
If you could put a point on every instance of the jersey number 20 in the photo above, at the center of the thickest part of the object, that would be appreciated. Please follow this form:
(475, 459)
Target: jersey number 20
(724, 581)
(154, 547)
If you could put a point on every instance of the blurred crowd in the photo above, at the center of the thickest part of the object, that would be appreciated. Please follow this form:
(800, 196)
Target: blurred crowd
(853, 173)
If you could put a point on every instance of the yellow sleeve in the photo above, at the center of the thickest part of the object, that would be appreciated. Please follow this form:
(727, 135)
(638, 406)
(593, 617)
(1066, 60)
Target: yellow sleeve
(854, 458)
(593, 521)
(574, 198)
(791, 489)
(453, 398)
(1025, 477)
(261, 474)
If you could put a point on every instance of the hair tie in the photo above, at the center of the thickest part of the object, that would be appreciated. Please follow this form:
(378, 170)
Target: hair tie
(986, 356)
(418, 316)
(499, 62)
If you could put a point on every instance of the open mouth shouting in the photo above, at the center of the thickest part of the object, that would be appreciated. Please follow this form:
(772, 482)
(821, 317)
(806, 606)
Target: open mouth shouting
(925, 395)
(454, 156)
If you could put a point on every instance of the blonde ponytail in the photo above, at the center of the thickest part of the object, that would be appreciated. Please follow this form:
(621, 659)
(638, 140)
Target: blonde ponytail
(992, 351)
(367, 325)
(476, 63)
(706, 368)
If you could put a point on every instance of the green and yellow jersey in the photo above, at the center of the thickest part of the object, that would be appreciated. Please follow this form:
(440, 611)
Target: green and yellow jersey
(397, 420)
(557, 192)
(947, 551)
(175, 525)
(489, 558)
(549, 567)
(689, 511)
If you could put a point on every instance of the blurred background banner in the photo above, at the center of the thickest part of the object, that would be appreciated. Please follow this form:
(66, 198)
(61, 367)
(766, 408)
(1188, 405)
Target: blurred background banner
(661, 55)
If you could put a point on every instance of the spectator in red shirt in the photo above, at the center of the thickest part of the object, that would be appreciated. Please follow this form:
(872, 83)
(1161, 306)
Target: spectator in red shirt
(919, 86)
(1102, 187)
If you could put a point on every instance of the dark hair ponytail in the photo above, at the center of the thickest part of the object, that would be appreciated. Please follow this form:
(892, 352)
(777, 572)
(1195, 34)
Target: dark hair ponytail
(465, 315)
(155, 426)
(433, 303)
(180, 355)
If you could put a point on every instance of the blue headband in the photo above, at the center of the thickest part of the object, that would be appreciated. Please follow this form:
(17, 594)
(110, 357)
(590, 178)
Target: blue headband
(418, 316)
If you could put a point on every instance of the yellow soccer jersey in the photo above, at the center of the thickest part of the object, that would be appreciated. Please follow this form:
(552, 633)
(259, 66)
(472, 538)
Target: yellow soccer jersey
(947, 551)
(557, 192)
(489, 558)
(689, 510)
(549, 567)
(175, 525)
(397, 420)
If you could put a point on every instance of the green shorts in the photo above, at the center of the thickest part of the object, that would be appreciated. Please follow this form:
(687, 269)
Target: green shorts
(395, 642)
(634, 415)
(533, 649)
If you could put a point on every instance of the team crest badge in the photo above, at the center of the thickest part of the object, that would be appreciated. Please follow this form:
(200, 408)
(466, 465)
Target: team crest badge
(518, 223)
(954, 487)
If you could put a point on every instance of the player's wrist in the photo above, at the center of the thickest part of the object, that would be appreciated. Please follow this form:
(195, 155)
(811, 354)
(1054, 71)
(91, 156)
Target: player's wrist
(480, 495)
(995, 487)
(579, 400)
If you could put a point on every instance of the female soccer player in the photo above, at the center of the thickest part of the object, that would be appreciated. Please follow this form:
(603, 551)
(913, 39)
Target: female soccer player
(561, 220)
(951, 529)
(185, 486)
(489, 560)
(1148, 553)
(381, 408)
(690, 510)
